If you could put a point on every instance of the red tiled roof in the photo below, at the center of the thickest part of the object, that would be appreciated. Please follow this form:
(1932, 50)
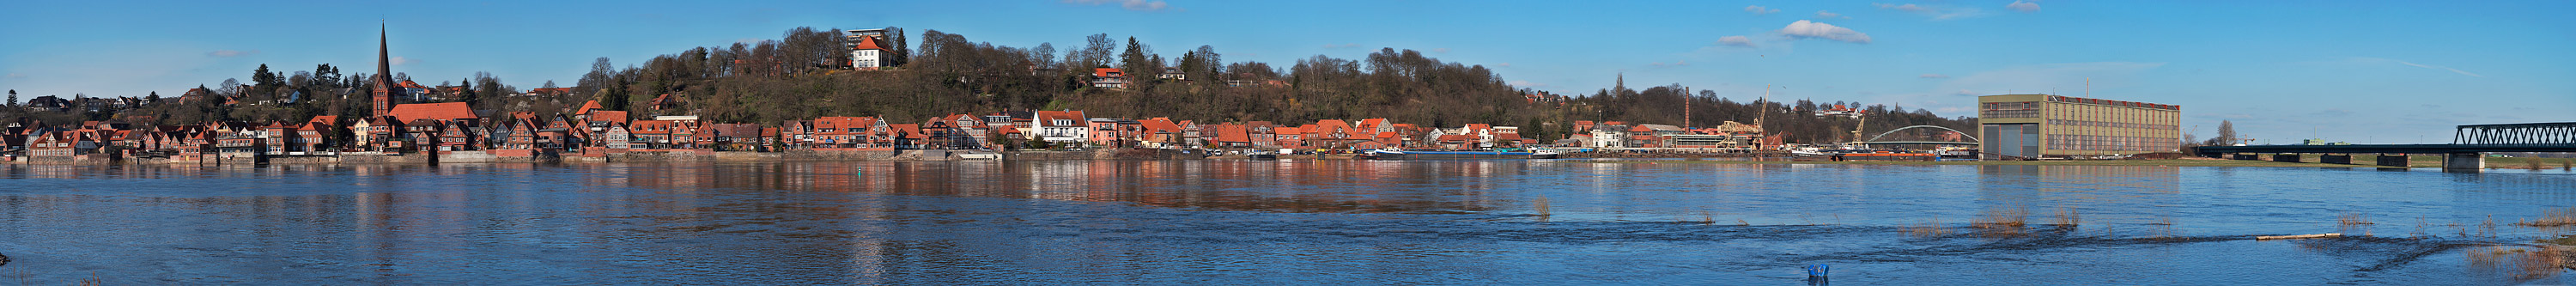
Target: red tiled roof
(608, 115)
(841, 124)
(908, 130)
(1158, 125)
(432, 111)
(1332, 125)
(868, 43)
(1232, 133)
(586, 107)
(650, 127)
(1047, 118)
(1104, 72)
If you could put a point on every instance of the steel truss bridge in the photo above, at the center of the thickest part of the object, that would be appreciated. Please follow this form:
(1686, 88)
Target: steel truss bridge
(2463, 154)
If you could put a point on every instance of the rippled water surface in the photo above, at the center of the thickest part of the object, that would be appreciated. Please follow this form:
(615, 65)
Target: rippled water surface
(1256, 222)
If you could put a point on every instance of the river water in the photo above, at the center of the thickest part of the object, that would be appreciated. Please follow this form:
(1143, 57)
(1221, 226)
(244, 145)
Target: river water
(1262, 222)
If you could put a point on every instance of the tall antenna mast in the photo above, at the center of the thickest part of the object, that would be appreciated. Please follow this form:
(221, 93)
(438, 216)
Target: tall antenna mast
(2088, 87)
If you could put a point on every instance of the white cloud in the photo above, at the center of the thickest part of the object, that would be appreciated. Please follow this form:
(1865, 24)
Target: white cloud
(1937, 13)
(230, 53)
(1440, 50)
(1524, 83)
(403, 61)
(1132, 5)
(1735, 41)
(1350, 45)
(2024, 7)
(1759, 10)
(1934, 75)
(1803, 29)
(1821, 14)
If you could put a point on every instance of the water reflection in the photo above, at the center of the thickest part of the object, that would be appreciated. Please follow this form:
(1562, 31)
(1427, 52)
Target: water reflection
(1208, 221)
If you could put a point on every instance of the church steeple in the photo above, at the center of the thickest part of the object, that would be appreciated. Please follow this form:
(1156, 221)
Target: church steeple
(384, 76)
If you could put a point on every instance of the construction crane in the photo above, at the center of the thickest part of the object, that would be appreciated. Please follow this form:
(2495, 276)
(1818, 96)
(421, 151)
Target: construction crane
(1855, 133)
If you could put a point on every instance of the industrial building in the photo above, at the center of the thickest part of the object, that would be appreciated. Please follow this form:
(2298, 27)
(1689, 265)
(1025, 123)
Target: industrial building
(2050, 126)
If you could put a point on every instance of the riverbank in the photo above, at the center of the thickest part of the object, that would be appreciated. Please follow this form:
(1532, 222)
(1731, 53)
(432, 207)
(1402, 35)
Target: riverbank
(618, 156)
(2420, 161)
(2161, 162)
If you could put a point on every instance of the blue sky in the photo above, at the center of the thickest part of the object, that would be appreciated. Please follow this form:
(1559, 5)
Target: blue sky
(2358, 71)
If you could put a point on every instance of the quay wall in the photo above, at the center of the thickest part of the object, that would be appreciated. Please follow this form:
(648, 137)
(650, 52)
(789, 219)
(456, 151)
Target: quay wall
(596, 155)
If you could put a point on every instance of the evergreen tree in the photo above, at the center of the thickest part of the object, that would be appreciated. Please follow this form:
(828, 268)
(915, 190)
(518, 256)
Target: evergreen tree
(465, 91)
(13, 97)
(1132, 60)
(263, 79)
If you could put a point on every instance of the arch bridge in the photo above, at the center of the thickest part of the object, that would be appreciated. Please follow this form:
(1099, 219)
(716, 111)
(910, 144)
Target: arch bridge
(1971, 138)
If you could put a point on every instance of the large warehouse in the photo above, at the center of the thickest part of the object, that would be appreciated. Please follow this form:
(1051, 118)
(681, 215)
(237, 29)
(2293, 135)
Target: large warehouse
(2050, 126)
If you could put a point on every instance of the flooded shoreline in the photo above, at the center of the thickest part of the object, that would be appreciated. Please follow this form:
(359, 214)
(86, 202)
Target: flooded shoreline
(1217, 221)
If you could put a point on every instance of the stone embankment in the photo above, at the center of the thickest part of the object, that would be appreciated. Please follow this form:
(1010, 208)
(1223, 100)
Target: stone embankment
(605, 156)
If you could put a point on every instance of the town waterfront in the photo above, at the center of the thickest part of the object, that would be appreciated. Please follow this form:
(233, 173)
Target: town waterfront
(1261, 222)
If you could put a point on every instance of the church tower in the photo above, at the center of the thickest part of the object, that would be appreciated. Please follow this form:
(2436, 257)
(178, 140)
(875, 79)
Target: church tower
(384, 77)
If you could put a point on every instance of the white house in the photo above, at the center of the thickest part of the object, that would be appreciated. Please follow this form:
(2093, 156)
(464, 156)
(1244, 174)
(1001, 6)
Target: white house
(866, 53)
(1062, 126)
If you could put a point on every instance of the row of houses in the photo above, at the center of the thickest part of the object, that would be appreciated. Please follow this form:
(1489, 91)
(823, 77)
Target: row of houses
(1617, 134)
(1004, 130)
(436, 127)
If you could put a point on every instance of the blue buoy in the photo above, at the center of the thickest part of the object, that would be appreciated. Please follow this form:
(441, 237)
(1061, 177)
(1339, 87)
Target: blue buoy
(1819, 270)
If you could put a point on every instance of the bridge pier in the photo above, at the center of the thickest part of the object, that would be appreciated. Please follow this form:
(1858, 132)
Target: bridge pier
(2285, 158)
(2399, 160)
(2247, 157)
(2345, 159)
(2464, 162)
